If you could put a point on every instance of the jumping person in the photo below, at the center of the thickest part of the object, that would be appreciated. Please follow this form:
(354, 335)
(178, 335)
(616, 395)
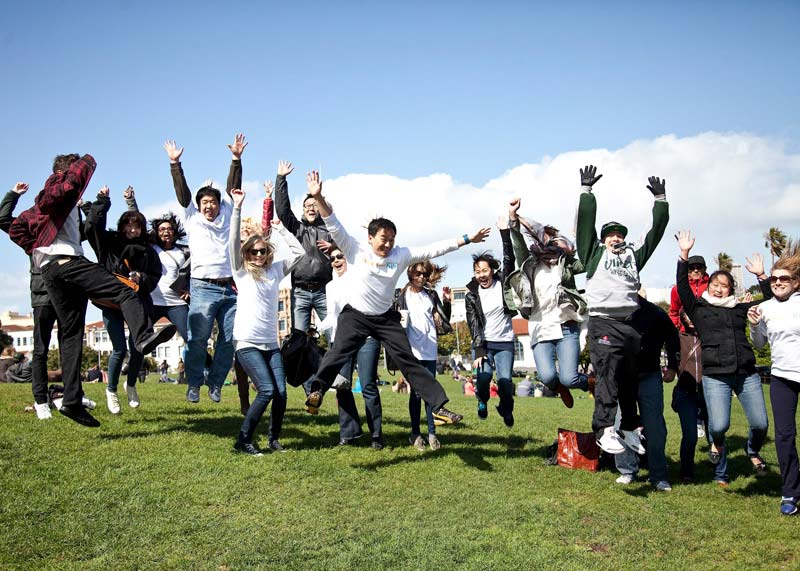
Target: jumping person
(376, 267)
(612, 286)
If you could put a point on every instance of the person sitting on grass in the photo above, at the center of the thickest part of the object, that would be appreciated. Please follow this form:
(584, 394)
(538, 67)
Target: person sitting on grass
(376, 268)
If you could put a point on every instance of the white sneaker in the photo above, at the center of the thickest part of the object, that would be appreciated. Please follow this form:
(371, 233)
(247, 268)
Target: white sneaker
(626, 479)
(113, 402)
(133, 397)
(42, 411)
(632, 440)
(89, 403)
(701, 432)
(611, 442)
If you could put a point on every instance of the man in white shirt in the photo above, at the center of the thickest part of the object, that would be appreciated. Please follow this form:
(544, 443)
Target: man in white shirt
(213, 297)
(375, 268)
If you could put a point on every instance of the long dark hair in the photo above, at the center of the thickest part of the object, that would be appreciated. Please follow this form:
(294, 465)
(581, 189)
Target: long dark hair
(132, 216)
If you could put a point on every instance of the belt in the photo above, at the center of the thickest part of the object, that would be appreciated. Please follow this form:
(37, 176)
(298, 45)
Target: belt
(310, 286)
(221, 283)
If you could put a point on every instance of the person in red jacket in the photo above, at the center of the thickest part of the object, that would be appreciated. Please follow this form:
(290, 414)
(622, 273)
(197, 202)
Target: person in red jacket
(698, 281)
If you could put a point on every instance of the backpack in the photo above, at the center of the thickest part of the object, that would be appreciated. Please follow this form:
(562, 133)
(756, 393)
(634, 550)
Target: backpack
(301, 355)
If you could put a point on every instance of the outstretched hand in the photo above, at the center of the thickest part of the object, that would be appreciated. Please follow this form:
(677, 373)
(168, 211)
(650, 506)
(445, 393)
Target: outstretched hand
(21, 188)
(754, 315)
(103, 191)
(589, 175)
(480, 235)
(268, 188)
(747, 297)
(685, 240)
(238, 145)
(513, 208)
(237, 194)
(285, 168)
(313, 183)
(128, 193)
(173, 152)
(755, 265)
(657, 186)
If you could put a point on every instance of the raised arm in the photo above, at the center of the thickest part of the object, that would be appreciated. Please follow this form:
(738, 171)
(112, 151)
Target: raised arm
(660, 219)
(508, 249)
(235, 239)
(436, 249)
(67, 188)
(756, 267)
(96, 221)
(585, 231)
(283, 208)
(235, 172)
(296, 251)
(685, 244)
(9, 203)
(268, 210)
(521, 252)
(182, 191)
(130, 199)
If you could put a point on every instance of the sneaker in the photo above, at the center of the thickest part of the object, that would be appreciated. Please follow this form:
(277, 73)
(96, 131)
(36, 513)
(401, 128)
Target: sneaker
(42, 411)
(611, 442)
(447, 416)
(78, 414)
(417, 442)
(215, 393)
(113, 402)
(313, 402)
(89, 404)
(193, 394)
(508, 419)
(156, 339)
(483, 410)
(626, 479)
(247, 448)
(434, 442)
(276, 446)
(789, 505)
(566, 396)
(701, 431)
(632, 440)
(133, 397)
(663, 486)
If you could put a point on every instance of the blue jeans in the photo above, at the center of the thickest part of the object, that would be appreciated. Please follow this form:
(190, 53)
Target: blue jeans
(650, 395)
(415, 405)
(265, 369)
(210, 303)
(349, 420)
(567, 350)
(178, 315)
(718, 391)
(502, 363)
(115, 325)
(303, 301)
(688, 406)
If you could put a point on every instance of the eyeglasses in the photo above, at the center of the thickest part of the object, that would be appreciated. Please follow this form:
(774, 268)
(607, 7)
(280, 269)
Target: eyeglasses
(780, 279)
(337, 257)
(423, 274)
(258, 251)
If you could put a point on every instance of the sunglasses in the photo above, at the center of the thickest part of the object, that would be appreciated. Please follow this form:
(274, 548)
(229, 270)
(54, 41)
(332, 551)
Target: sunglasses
(696, 268)
(780, 279)
(423, 274)
(258, 251)
(337, 257)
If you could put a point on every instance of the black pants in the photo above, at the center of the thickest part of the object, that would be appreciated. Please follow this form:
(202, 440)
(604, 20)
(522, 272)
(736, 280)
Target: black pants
(70, 282)
(783, 394)
(353, 327)
(613, 347)
(44, 317)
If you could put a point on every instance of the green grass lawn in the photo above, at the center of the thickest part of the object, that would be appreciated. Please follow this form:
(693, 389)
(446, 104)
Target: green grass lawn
(160, 488)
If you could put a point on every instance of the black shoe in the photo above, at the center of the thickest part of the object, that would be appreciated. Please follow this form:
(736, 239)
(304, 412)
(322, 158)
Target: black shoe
(276, 446)
(247, 448)
(508, 419)
(79, 414)
(377, 444)
(156, 339)
(446, 416)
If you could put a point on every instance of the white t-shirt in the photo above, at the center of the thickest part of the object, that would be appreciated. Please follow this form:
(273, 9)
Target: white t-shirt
(780, 325)
(256, 319)
(544, 324)
(335, 296)
(421, 327)
(171, 262)
(208, 241)
(66, 243)
(373, 278)
(498, 325)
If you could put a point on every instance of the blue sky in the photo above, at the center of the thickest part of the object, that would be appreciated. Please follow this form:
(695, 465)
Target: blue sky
(406, 89)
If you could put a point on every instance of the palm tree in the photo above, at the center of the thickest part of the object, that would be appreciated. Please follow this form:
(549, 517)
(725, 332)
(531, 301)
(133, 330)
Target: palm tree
(724, 262)
(775, 240)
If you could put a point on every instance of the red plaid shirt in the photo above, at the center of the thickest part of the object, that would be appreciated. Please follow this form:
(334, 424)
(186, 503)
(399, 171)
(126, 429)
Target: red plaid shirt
(38, 225)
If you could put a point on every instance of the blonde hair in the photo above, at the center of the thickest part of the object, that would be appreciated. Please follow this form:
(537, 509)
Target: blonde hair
(248, 228)
(251, 267)
(789, 259)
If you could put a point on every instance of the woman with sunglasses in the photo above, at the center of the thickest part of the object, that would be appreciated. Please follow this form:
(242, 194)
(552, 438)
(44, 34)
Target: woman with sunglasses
(729, 365)
(255, 328)
(126, 253)
(777, 321)
(366, 359)
(425, 318)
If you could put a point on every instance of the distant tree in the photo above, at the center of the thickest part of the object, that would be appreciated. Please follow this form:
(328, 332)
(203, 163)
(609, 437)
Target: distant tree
(775, 240)
(664, 305)
(89, 359)
(449, 344)
(724, 262)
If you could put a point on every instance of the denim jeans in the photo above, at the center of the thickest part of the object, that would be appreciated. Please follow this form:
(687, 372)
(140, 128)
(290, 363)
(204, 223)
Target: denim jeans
(567, 350)
(210, 303)
(502, 363)
(265, 369)
(415, 405)
(689, 406)
(650, 395)
(178, 315)
(718, 391)
(303, 301)
(115, 325)
(349, 419)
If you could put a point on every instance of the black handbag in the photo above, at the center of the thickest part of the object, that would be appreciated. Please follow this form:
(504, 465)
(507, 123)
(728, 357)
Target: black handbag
(301, 355)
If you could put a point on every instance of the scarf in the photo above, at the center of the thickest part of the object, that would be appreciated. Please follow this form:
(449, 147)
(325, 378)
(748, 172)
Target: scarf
(727, 302)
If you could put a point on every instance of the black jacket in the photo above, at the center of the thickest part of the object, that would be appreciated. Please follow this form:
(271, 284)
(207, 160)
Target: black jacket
(657, 330)
(472, 301)
(314, 269)
(726, 349)
(441, 310)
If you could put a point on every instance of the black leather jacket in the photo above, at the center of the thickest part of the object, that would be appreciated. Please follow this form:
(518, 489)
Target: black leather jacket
(472, 301)
(441, 310)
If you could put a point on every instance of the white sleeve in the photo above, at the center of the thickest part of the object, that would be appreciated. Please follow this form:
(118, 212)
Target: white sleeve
(758, 334)
(347, 244)
(295, 248)
(421, 253)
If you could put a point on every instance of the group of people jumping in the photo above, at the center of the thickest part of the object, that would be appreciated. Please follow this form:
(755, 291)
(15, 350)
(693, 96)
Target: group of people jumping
(196, 273)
